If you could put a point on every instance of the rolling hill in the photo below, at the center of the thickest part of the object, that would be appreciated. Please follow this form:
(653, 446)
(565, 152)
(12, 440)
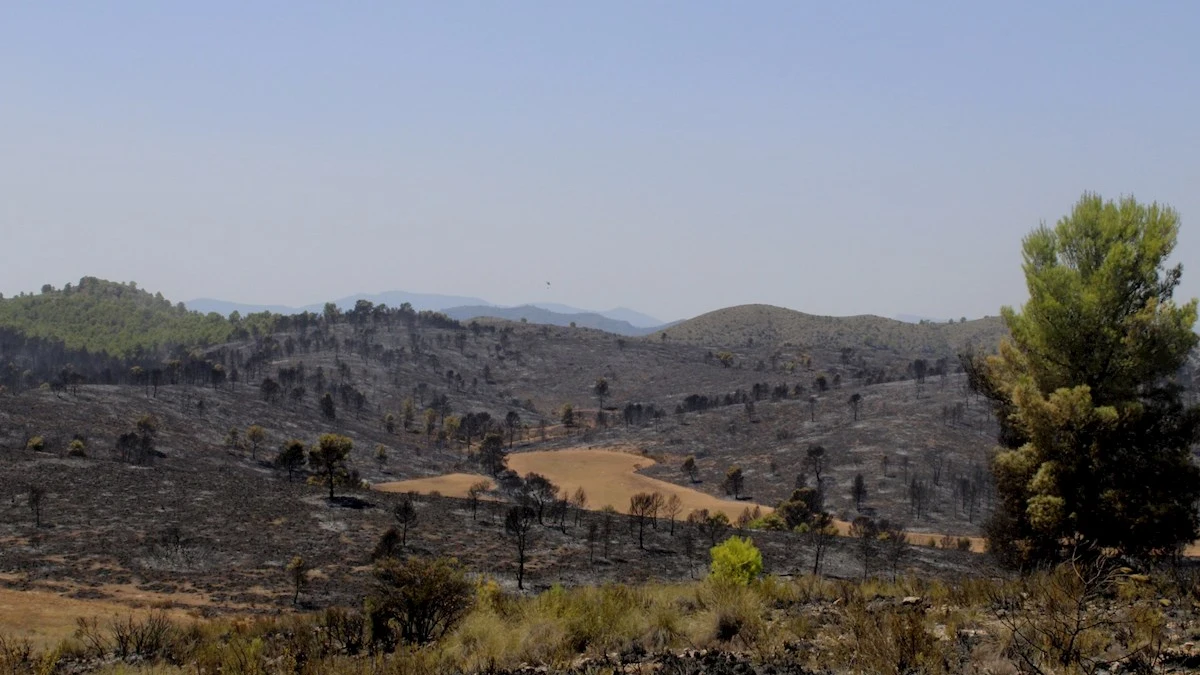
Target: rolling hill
(533, 314)
(767, 326)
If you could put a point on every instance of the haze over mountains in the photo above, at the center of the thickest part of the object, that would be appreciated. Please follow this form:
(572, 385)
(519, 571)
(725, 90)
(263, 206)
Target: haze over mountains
(620, 320)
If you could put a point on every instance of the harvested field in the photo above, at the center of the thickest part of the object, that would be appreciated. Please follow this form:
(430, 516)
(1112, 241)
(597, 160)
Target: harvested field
(608, 476)
(448, 485)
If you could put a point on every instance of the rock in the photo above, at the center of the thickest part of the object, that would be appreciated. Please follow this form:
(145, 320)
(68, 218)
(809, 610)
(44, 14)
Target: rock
(911, 600)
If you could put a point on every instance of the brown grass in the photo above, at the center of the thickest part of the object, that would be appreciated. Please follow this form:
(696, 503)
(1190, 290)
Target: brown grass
(449, 485)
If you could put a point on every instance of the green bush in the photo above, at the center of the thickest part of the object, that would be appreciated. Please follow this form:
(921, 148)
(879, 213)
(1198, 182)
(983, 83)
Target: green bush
(736, 560)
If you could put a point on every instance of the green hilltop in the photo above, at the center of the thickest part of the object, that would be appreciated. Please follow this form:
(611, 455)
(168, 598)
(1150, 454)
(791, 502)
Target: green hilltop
(118, 319)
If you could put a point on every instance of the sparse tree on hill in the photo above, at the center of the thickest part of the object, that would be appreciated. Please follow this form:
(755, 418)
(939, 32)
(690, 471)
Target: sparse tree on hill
(866, 533)
(593, 534)
(389, 423)
(820, 532)
(859, 491)
(297, 571)
(36, 500)
(608, 516)
(1097, 439)
(814, 461)
(518, 525)
(405, 513)
(408, 413)
(855, 402)
(600, 389)
(491, 453)
(579, 501)
(291, 456)
(812, 408)
(430, 419)
(329, 456)
(476, 491)
(567, 416)
(734, 480)
(540, 492)
(712, 525)
(328, 409)
(269, 390)
(641, 506)
(671, 509)
(689, 467)
(512, 421)
(893, 543)
(256, 435)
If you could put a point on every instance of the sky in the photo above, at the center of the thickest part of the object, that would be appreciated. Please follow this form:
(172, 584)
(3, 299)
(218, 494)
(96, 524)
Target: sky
(673, 157)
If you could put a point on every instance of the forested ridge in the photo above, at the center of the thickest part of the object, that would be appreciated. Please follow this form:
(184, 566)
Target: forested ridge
(112, 318)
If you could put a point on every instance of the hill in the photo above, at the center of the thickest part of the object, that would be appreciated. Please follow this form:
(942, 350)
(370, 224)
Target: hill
(775, 327)
(110, 318)
(534, 314)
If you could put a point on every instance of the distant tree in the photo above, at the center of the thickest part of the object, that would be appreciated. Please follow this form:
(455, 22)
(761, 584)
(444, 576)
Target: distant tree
(734, 480)
(711, 525)
(408, 413)
(567, 416)
(381, 454)
(689, 467)
(726, 358)
(821, 383)
(859, 491)
(600, 389)
(671, 509)
(491, 453)
(329, 456)
(820, 533)
(328, 410)
(76, 448)
(518, 526)
(35, 444)
(431, 417)
(866, 533)
(389, 423)
(405, 513)
(814, 460)
(216, 375)
(855, 402)
(608, 515)
(291, 456)
(297, 571)
(256, 435)
(812, 408)
(641, 507)
(579, 501)
(512, 421)
(593, 534)
(540, 492)
(476, 491)
(893, 543)
(36, 500)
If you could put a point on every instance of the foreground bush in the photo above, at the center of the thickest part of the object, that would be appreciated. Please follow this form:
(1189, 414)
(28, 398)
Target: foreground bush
(736, 560)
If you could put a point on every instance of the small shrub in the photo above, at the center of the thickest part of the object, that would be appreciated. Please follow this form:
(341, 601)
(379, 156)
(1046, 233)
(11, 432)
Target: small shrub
(736, 560)
(77, 449)
(35, 444)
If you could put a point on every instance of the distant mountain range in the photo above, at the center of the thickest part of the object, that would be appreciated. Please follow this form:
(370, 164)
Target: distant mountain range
(620, 320)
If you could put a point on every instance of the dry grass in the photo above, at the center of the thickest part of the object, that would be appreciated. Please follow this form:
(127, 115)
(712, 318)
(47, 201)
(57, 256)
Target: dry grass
(46, 618)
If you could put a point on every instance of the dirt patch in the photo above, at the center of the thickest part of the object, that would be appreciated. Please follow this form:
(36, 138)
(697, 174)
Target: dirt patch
(610, 477)
(448, 485)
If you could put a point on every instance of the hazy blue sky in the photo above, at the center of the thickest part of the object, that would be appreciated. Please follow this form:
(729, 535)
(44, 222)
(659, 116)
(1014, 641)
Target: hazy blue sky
(832, 157)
